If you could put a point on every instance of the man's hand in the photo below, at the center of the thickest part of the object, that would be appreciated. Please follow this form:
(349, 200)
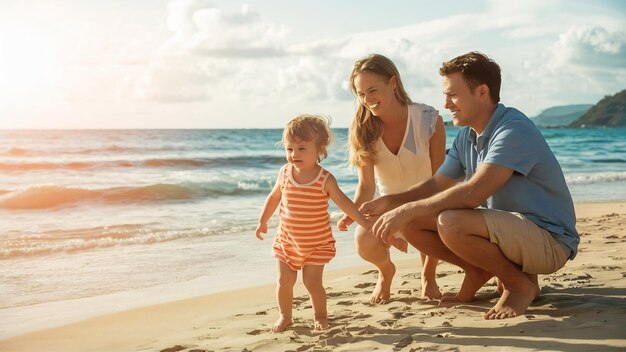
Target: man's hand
(391, 222)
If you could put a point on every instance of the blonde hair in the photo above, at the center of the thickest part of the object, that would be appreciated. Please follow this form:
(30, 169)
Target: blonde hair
(366, 128)
(310, 128)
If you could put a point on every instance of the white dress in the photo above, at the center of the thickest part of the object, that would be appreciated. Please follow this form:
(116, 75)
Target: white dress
(397, 173)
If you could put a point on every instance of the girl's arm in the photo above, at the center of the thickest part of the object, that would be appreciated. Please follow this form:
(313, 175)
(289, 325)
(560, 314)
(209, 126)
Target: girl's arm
(271, 203)
(344, 203)
(364, 192)
(437, 146)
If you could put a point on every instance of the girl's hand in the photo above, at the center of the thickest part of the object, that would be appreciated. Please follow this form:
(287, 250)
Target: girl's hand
(344, 222)
(261, 229)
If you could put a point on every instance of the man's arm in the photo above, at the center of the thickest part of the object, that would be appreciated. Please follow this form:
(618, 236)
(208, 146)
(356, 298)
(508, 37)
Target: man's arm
(469, 195)
(433, 185)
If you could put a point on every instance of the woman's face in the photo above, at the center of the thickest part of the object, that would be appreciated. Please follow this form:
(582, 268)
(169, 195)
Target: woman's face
(375, 92)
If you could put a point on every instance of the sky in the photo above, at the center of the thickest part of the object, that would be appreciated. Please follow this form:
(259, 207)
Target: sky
(259, 63)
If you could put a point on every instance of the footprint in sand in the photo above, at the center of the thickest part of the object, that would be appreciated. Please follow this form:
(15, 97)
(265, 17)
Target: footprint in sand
(305, 347)
(400, 315)
(365, 285)
(174, 349)
(407, 340)
(342, 293)
(388, 323)
(344, 303)
(254, 332)
(297, 301)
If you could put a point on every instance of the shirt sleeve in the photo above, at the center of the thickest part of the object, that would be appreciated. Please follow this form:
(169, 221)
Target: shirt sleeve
(429, 122)
(514, 146)
(452, 166)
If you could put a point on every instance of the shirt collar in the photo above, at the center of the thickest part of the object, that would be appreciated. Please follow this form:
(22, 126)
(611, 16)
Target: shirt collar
(491, 125)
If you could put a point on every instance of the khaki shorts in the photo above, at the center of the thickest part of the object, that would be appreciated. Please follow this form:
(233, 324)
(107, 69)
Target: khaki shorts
(523, 242)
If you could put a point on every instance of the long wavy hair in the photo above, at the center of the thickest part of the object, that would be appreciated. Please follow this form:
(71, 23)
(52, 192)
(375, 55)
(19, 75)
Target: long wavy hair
(367, 128)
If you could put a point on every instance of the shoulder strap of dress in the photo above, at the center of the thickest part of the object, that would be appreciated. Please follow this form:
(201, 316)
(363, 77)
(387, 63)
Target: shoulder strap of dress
(286, 169)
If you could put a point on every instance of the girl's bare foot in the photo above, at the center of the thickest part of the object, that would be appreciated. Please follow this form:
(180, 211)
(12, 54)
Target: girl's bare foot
(282, 323)
(320, 323)
(382, 292)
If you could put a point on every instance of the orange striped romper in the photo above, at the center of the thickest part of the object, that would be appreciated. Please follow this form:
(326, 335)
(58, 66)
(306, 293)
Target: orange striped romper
(304, 236)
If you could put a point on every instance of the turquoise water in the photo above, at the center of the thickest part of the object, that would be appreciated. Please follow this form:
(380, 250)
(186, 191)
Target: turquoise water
(171, 213)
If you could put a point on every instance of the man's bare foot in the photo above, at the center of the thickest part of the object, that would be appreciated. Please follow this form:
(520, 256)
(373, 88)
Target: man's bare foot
(282, 323)
(401, 244)
(320, 323)
(534, 279)
(430, 290)
(382, 292)
(514, 302)
(472, 282)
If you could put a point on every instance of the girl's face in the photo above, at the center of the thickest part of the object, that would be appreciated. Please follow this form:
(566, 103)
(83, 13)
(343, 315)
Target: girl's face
(302, 154)
(375, 92)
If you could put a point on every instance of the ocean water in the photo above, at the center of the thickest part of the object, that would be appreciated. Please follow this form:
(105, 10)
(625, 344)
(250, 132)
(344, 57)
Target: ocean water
(99, 221)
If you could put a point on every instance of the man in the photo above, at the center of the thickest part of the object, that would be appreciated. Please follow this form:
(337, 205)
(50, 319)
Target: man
(512, 218)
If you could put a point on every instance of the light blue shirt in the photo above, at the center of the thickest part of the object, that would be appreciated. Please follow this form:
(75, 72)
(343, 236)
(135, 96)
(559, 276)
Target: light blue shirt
(537, 188)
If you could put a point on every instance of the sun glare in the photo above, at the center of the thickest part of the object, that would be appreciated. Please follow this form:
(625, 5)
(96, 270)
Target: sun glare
(28, 65)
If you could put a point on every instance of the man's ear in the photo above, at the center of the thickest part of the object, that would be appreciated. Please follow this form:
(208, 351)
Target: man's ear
(483, 91)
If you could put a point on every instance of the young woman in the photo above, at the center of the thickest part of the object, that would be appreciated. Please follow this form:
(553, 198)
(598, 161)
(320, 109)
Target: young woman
(395, 144)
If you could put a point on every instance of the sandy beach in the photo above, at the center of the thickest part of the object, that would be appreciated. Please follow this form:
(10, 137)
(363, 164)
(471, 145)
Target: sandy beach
(582, 307)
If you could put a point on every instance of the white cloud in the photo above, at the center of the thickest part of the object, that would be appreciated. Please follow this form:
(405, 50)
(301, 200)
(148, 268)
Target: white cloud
(201, 28)
(591, 47)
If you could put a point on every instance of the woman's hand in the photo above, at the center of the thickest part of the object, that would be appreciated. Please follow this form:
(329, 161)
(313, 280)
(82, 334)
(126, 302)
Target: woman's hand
(376, 207)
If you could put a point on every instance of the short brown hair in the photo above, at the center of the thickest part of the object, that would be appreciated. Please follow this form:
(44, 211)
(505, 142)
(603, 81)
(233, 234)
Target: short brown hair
(476, 69)
(309, 128)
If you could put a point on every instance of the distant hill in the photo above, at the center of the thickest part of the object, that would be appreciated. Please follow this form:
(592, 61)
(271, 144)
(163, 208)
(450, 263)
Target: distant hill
(608, 112)
(560, 116)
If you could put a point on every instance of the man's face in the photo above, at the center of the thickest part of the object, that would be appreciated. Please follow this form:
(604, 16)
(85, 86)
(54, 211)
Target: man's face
(463, 103)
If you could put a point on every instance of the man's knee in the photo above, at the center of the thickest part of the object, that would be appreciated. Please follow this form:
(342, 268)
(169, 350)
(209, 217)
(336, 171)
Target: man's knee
(450, 224)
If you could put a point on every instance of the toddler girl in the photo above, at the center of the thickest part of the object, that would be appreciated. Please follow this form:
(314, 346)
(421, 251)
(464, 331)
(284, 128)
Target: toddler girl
(304, 239)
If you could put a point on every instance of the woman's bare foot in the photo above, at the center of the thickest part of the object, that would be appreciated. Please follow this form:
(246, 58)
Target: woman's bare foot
(514, 302)
(282, 323)
(382, 292)
(320, 323)
(430, 290)
(472, 282)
